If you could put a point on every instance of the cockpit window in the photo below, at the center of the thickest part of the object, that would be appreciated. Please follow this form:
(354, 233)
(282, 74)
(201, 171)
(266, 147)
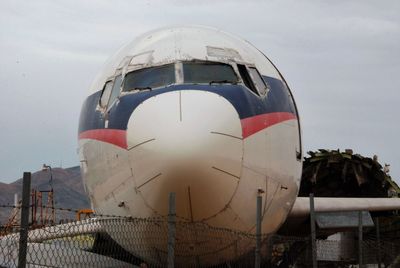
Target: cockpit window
(258, 81)
(115, 90)
(246, 78)
(205, 72)
(150, 78)
(106, 94)
(253, 80)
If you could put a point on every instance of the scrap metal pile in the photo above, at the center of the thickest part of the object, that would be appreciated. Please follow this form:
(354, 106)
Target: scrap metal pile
(333, 173)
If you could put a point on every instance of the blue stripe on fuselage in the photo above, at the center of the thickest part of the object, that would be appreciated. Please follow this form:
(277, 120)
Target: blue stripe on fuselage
(245, 102)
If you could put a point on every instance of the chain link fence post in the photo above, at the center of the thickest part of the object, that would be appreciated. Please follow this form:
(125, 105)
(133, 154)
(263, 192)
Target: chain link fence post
(258, 232)
(270, 243)
(313, 233)
(171, 229)
(23, 233)
(378, 241)
(360, 239)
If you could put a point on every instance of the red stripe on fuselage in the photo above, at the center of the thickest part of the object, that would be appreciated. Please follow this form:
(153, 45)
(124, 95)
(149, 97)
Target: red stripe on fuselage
(113, 136)
(251, 125)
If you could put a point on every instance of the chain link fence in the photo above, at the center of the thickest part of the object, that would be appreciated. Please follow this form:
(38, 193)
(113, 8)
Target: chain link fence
(111, 241)
(107, 241)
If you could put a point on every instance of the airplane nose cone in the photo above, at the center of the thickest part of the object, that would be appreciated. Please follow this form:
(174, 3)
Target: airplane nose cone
(188, 142)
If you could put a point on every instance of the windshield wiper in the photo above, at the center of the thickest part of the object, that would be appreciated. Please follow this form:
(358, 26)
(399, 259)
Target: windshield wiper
(222, 82)
(140, 88)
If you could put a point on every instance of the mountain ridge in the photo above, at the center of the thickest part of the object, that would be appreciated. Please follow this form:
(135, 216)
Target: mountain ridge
(68, 189)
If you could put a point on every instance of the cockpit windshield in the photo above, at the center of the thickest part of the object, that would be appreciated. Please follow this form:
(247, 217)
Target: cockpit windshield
(150, 78)
(206, 72)
(193, 73)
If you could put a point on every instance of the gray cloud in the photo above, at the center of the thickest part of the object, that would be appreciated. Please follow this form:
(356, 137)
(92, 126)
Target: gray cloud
(340, 58)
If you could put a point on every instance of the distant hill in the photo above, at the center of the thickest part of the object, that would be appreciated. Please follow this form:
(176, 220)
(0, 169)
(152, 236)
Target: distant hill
(68, 190)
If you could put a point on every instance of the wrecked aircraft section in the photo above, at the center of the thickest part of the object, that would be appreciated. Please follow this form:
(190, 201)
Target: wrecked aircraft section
(332, 173)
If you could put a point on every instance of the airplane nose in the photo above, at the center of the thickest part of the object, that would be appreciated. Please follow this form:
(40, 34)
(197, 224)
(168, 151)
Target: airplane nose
(188, 142)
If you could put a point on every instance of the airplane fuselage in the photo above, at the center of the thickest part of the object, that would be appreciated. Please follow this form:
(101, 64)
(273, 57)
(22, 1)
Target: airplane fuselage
(198, 112)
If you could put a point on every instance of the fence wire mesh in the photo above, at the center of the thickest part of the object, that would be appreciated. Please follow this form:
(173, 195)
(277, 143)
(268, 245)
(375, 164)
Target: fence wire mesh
(109, 241)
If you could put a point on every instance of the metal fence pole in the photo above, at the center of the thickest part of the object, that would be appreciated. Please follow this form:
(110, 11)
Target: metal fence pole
(258, 232)
(23, 233)
(313, 234)
(378, 240)
(171, 230)
(270, 244)
(360, 238)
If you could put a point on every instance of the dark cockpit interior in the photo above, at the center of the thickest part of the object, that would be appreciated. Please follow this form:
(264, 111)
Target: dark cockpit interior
(190, 72)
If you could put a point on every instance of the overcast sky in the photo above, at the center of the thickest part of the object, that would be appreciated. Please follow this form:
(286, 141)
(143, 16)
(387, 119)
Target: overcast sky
(340, 58)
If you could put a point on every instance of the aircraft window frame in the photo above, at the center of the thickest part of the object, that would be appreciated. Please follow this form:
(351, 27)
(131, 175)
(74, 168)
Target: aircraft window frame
(107, 86)
(235, 81)
(249, 75)
(173, 65)
(117, 85)
(262, 89)
(179, 72)
(247, 80)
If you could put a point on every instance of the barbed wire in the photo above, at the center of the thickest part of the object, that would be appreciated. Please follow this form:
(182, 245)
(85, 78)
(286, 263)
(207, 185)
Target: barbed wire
(49, 207)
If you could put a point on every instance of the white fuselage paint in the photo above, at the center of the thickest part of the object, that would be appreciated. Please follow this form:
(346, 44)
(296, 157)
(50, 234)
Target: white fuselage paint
(191, 143)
